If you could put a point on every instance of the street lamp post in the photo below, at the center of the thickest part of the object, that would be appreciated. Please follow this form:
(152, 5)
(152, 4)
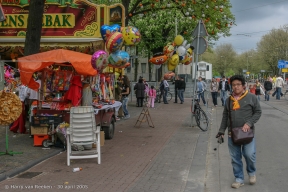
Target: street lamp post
(247, 61)
(224, 64)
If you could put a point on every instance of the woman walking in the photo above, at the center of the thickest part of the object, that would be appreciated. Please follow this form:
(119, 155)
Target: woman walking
(214, 91)
(140, 92)
(258, 89)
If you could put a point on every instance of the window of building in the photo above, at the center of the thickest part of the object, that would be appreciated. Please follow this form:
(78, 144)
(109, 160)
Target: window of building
(143, 67)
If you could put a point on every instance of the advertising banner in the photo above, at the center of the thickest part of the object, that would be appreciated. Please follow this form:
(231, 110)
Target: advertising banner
(62, 18)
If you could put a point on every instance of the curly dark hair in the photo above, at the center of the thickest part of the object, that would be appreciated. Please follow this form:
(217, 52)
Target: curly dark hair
(239, 78)
(126, 81)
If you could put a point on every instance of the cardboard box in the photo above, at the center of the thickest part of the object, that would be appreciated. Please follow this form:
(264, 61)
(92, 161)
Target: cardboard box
(39, 130)
(102, 140)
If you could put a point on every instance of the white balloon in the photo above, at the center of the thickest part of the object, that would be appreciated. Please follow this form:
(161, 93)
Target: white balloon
(181, 50)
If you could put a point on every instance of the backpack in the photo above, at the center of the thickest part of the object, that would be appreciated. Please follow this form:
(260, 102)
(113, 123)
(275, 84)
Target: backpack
(161, 85)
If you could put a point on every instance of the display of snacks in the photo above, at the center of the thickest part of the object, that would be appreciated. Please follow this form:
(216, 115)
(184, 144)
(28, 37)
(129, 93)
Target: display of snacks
(10, 107)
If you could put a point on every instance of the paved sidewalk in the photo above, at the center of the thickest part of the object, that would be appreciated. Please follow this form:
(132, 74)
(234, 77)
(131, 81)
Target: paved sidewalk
(136, 159)
(271, 141)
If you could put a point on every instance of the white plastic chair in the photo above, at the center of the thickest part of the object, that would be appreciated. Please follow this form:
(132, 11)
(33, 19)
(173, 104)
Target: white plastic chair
(83, 131)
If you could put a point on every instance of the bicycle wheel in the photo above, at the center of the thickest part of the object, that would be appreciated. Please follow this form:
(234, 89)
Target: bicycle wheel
(169, 96)
(157, 99)
(201, 119)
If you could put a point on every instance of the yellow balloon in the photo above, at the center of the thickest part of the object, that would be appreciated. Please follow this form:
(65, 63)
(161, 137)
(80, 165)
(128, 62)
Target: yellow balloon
(171, 67)
(178, 40)
(174, 60)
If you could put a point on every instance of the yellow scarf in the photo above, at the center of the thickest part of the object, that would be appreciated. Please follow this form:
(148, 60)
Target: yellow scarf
(236, 104)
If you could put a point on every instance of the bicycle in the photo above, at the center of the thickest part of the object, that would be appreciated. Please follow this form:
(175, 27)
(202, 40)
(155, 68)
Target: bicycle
(159, 96)
(200, 116)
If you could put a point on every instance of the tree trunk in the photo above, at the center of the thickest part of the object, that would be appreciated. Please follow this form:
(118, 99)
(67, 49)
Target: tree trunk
(136, 65)
(34, 27)
(150, 68)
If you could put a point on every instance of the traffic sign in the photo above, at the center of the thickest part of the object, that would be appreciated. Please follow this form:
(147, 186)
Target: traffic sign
(282, 64)
(285, 70)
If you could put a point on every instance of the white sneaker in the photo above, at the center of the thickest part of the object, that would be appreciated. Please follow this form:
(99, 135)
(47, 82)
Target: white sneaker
(236, 185)
(252, 180)
(127, 117)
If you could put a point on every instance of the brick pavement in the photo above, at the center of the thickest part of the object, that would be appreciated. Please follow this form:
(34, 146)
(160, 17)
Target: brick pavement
(132, 156)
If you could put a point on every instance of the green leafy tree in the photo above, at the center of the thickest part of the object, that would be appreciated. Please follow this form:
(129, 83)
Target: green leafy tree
(156, 19)
(224, 58)
(273, 47)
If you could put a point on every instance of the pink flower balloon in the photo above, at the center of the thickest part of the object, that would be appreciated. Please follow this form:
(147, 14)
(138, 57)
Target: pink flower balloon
(99, 60)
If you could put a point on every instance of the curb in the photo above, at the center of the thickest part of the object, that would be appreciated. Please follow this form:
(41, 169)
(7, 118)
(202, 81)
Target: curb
(27, 166)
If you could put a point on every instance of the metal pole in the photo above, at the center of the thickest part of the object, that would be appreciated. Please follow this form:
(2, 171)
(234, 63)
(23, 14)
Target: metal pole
(2, 79)
(196, 62)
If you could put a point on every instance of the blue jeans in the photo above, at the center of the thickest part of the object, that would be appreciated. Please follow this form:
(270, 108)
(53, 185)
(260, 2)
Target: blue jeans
(180, 94)
(214, 97)
(267, 96)
(124, 105)
(249, 153)
(278, 92)
(201, 95)
(223, 96)
(165, 95)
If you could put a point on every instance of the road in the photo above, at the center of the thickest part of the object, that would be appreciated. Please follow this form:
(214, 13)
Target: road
(172, 157)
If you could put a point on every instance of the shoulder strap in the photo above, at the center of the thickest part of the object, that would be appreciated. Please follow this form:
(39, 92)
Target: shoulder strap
(229, 112)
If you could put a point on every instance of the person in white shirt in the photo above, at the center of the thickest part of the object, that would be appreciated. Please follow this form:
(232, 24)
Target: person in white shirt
(33, 95)
(18, 126)
(279, 83)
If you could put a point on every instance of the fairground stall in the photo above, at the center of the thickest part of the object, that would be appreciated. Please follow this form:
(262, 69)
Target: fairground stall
(67, 79)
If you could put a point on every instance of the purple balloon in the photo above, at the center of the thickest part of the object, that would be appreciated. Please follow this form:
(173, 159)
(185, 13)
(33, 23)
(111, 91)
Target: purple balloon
(99, 60)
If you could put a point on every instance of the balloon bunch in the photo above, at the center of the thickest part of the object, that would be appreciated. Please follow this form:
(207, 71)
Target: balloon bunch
(115, 37)
(174, 53)
(178, 52)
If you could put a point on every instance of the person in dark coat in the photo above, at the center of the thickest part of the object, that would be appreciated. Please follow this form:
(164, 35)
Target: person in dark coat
(176, 83)
(268, 87)
(140, 92)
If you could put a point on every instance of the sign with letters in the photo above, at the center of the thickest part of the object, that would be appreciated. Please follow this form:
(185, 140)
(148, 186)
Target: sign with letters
(61, 18)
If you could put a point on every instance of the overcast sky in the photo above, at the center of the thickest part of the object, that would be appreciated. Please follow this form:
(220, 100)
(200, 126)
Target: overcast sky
(254, 18)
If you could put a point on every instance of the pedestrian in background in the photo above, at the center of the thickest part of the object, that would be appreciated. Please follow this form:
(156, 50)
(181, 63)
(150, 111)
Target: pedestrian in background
(214, 91)
(223, 88)
(146, 89)
(176, 84)
(279, 83)
(181, 89)
(161, 88)
(258, 87)
(140, 92)
(125, 91)
(201, 87)
(152, 96)
(245, 105)
(166, 88)
(268, 87)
